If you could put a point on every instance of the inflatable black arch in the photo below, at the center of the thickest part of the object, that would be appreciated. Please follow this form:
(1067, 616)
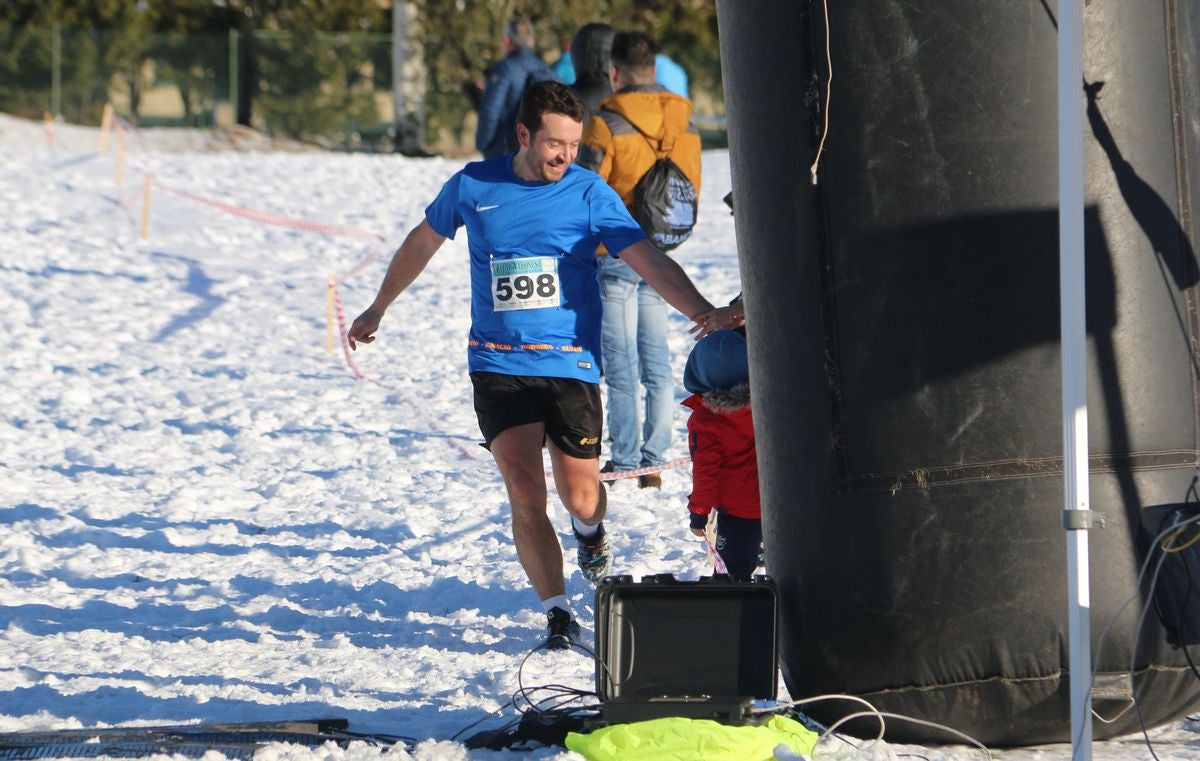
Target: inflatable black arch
(904, 337)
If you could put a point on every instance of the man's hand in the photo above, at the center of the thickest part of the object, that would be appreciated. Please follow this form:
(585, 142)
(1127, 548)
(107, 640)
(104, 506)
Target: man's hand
(364, 327)
(698, 531)
(724, 318)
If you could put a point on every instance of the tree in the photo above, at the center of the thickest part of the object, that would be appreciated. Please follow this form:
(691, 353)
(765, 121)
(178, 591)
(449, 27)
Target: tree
(463, 37)
(310, 66)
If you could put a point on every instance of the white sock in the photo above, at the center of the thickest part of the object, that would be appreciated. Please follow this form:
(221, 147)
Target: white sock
(558, 601)
(584, 530)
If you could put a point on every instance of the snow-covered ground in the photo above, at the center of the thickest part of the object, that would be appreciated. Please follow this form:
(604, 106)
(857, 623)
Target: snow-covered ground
(207, 518)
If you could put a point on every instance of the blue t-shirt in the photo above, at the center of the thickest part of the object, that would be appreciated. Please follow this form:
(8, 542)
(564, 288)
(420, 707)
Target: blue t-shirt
(535, 298)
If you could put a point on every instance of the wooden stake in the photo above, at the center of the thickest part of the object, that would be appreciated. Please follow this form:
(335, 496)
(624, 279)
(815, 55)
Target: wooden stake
(329, 315)
(106, 120)
(120, 157)
(48, 118)
(146, 206)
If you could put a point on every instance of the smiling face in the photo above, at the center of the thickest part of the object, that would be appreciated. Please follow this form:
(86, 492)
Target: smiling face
(546, 154)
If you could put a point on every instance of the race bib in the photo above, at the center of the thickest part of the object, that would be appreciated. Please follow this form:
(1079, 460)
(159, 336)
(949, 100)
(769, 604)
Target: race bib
(526, 283)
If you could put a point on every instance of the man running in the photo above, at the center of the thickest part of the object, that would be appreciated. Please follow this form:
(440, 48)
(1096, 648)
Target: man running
(534, 220)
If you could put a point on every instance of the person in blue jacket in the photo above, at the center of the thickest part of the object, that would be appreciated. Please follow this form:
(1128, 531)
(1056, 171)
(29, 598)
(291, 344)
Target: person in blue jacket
(564, 67)
(670, 74)
(534, 220)
(506, 82)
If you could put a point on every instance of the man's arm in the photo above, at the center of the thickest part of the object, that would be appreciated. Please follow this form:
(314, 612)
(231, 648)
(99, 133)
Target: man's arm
(408, 262)
(670, 281)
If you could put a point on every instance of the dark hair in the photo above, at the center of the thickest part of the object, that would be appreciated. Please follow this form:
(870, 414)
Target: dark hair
(634, 51)
(548, 97)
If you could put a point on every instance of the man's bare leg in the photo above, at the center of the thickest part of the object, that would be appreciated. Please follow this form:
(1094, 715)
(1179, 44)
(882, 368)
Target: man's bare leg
(578, 483)
(518, 453)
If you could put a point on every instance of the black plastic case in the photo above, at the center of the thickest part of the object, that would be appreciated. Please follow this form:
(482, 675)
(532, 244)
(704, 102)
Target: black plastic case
(712, 639)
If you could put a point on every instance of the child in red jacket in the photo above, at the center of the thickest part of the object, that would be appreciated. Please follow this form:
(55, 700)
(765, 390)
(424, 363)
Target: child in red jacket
(721, 442)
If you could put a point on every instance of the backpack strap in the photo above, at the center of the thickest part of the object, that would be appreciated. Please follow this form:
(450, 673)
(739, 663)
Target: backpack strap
(609, 116)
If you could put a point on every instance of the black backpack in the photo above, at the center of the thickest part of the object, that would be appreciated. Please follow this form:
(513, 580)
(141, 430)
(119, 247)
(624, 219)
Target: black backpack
(664, 200)
(664, 204)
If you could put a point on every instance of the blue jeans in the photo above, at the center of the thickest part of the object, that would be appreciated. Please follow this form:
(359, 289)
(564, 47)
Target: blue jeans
(634, 342)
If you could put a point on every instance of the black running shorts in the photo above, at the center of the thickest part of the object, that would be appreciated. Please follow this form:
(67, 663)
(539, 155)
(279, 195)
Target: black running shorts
(569, 408)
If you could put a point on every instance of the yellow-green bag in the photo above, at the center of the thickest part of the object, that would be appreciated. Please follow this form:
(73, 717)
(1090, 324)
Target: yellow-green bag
(679, 739)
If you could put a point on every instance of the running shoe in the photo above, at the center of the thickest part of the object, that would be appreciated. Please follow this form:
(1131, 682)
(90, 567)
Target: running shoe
(562, 631)
(595, 555)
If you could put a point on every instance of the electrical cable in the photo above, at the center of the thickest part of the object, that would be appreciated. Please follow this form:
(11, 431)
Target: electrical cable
(881, 715)
(524, 702)
(872, 712)
(1179, 529)
(1121, 609)
(828, 93)
(1182, 547)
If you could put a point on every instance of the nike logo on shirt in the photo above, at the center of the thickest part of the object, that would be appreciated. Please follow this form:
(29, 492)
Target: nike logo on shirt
(485, 208)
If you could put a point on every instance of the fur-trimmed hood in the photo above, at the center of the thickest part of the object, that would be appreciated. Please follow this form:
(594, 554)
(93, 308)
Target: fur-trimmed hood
(726, 400)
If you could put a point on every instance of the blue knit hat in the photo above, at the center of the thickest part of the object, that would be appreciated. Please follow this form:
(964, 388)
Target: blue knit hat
(717, 362)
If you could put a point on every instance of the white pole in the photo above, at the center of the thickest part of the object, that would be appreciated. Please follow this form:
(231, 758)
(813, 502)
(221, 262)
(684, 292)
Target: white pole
(399, 54)
(408, 78)
(1074, 368)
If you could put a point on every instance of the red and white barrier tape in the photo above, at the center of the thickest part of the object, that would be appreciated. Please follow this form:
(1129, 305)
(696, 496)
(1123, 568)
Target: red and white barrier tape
(307, 226)
(341, 320)
(676, 463)
(378, 252)
(276, 219)
(646, 470)
(714, 556)
(464, 453)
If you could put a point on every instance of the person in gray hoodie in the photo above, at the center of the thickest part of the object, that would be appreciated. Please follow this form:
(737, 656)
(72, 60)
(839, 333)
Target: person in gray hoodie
(591, 52)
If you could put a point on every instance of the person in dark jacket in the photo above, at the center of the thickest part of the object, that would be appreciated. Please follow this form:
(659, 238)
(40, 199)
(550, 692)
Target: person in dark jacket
(721, 442)
(591, 53)
(495, 133)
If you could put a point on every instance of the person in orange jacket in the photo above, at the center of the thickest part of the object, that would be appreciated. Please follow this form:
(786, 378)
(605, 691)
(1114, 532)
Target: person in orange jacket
(635, 125)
